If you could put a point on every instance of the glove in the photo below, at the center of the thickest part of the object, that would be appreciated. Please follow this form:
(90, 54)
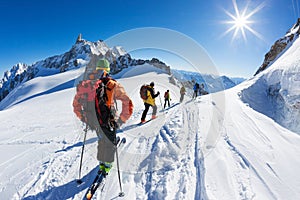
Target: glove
(158, 93)
(119, 123)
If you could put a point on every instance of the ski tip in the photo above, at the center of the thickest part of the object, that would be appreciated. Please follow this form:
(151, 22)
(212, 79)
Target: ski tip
(89, 196)
(123, 140)
(79, 181)
(121, 194)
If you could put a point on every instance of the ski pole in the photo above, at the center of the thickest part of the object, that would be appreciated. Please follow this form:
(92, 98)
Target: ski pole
(121, 194)
(160, 102)
(81, 157)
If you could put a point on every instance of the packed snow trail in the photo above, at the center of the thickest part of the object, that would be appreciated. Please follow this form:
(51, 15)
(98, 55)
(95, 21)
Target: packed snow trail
(150, 162)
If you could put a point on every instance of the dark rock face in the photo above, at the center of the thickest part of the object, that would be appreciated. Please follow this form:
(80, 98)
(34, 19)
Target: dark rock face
(279, 47)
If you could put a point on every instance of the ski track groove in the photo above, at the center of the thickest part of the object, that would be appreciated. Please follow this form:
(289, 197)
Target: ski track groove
(247, 163)
(155, 186)
(194, 116)
(200, 193)
(50, 173)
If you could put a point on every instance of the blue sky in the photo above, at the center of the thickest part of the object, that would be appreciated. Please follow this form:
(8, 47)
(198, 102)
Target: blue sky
(33, 30)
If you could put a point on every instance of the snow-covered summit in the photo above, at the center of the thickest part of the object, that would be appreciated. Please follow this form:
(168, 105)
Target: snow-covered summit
(12, 78)
(79, 55)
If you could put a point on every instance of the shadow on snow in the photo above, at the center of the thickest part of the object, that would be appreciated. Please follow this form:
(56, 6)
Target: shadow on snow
(66, 191)
(78, 144)
(63, 86)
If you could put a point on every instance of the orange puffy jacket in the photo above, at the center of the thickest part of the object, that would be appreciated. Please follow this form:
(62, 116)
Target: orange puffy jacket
(84, 100)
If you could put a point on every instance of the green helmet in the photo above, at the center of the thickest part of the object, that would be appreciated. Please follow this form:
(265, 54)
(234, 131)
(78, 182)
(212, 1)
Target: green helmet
(103, 64)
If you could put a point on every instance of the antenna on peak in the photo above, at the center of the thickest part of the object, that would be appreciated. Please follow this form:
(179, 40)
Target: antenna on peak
(79, 38)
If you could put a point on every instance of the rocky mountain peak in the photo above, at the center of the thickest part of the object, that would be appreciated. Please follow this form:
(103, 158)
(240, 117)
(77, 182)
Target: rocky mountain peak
(80, 54)
(280, 46)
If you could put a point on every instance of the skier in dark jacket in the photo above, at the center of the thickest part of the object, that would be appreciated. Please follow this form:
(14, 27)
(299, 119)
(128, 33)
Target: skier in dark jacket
(167, 98)
(196, 90)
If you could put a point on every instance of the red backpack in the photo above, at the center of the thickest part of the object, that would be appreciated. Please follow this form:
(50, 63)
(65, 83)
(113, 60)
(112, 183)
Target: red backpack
(143, 92)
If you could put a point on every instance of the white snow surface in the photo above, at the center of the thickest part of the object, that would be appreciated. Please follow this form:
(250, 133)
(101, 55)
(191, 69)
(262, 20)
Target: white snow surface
(214, 147)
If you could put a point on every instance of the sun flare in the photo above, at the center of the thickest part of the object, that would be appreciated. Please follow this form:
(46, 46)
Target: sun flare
(241, 21)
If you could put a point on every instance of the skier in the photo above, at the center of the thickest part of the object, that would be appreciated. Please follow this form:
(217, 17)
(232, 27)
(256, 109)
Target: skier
(182, 93)
(202, 91)
(196, 90)
(150, 101)
(94, 105)
(167, 98)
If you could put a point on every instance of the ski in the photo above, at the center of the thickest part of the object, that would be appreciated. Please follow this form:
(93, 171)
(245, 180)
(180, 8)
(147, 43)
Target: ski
(100, 176)
(96, 183)
(149, 120)
(142, 123)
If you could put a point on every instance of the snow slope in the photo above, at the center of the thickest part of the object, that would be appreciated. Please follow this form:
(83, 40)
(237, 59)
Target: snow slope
(214, 147)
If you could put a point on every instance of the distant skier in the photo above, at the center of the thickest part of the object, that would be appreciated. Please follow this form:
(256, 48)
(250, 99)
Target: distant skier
(94, 105)
(202, 90)
(167, 98)
(196, 90)
(149, 101)
(182, 93)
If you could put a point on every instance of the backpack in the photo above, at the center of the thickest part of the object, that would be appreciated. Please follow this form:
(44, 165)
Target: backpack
(90, 103)
(166, 96)
(105, 113)
(143, 92)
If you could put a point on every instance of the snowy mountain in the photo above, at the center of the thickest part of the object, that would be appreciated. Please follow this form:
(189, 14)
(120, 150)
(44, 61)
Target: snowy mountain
(212, 83)
(12, 78)
(275, 91)
(81, 53)
(237, 80)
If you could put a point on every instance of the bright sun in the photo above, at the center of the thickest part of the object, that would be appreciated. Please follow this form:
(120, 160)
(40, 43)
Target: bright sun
(241, 21)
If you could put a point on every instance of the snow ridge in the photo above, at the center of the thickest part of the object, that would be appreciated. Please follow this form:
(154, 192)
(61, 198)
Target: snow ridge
(275, 92)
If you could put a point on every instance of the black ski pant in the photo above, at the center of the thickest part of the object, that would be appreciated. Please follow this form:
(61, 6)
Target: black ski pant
(181, 97)
(147, 106)
(195, 94)
(167, 100)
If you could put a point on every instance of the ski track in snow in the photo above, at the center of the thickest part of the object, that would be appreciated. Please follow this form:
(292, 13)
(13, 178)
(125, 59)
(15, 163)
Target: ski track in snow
(50, 174)
(243, 165)
(189, 132)
(53, 171)
(171, 152)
